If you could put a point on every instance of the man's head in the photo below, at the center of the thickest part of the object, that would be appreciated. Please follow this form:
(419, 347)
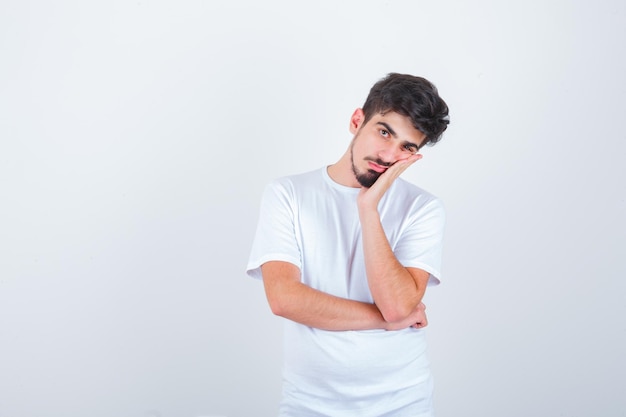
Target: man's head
(401, 114)
(413, 97)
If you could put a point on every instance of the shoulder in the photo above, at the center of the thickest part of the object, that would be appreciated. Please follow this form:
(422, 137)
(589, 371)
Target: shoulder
(420, 210)
(412, 195)
(293, 183)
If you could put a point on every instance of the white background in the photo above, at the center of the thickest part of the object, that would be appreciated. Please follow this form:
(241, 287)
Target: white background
(135, 141)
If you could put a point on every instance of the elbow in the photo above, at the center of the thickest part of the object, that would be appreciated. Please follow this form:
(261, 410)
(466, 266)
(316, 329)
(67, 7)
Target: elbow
(400, 311)
(278, 306)
(397, 313)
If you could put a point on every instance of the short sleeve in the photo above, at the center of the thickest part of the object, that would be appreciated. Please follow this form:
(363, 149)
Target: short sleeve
(421, 241)
(275, 237)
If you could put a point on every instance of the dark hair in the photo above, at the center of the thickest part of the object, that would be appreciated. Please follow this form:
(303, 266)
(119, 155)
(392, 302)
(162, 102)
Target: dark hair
(411, 96)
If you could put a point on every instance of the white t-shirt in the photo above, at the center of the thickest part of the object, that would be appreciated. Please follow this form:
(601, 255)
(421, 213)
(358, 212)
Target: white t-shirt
(312, 222)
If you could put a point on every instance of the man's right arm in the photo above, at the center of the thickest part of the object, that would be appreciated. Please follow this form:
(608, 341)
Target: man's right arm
(293, 300)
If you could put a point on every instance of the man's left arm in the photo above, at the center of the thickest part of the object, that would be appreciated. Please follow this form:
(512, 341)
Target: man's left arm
(396, 290)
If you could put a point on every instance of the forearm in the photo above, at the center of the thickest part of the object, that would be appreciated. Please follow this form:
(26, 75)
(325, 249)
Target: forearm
(395, 290)
(291, 299)
(314, 308)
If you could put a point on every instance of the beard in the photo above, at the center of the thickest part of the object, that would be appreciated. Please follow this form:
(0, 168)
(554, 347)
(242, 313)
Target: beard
(369, 177)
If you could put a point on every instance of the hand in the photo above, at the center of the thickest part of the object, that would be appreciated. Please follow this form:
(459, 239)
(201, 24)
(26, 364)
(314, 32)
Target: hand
(370, 197)
(417, 319)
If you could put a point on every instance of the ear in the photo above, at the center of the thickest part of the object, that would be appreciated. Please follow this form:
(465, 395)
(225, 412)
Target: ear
(356, 120)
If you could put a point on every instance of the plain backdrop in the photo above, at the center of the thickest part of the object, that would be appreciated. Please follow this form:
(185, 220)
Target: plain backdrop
(136, 138)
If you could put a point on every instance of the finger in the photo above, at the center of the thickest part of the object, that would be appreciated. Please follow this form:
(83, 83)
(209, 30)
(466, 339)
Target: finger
(411, 159)
(399, 166)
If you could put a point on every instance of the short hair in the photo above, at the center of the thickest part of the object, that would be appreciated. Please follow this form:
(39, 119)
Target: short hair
(411, 96)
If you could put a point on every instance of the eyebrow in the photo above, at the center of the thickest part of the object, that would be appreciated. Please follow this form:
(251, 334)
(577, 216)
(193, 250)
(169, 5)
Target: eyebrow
(395, 135)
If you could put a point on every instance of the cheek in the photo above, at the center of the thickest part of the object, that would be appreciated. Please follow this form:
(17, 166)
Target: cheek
(363, 147)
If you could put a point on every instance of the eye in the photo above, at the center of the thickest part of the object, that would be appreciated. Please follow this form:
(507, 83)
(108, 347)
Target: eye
(410, 148)
(384, 133)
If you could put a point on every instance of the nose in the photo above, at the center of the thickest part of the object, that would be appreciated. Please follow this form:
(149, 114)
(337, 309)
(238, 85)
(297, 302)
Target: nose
(390, 153)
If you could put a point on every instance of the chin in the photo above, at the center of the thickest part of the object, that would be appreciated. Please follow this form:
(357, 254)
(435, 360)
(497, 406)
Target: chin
(368, 178)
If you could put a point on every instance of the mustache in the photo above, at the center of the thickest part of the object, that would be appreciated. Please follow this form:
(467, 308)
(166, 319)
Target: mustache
(378, 161)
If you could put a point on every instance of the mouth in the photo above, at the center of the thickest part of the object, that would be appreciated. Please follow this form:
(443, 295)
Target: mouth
(375, 167)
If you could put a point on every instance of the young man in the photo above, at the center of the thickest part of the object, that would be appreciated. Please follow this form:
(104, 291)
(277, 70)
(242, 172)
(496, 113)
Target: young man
(346, 252)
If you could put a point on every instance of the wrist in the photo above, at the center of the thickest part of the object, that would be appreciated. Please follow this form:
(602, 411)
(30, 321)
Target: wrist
(368, 210)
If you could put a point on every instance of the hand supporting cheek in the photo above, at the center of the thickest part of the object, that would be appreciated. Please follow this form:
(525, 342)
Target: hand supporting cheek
(370, 197)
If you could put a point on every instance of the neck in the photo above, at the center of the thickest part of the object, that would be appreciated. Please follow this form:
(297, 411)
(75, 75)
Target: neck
(341, 171)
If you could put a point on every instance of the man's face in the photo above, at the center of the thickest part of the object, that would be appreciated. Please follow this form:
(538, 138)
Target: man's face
(379, 143)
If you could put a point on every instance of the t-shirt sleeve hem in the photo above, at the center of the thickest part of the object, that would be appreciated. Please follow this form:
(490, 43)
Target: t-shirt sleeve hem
(433, 279)
(254, 266)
